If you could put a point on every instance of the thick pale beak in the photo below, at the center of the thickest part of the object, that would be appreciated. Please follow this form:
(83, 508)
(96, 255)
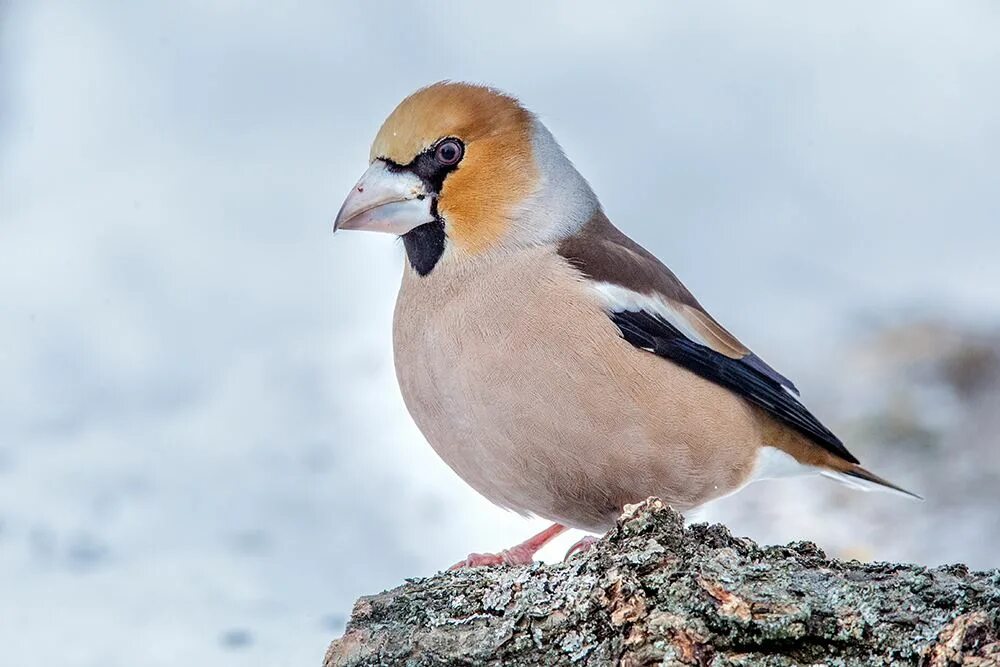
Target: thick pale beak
(386, 201)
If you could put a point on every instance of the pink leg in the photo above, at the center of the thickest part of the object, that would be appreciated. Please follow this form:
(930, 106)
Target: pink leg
(584, 544)
(522, 554)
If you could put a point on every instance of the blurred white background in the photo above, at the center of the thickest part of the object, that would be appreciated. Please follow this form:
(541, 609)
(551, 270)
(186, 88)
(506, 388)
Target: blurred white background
(204, 458)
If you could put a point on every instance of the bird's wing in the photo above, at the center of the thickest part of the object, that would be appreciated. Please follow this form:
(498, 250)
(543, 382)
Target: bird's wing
(654, 311)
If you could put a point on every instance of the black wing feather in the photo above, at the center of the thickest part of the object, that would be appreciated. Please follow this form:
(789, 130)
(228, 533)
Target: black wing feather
(743, 378)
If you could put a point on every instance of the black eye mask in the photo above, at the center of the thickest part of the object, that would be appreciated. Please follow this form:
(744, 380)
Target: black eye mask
(434, 164)
(425, 244)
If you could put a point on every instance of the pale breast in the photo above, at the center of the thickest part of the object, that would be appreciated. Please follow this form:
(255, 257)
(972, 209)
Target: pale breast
(525, 388)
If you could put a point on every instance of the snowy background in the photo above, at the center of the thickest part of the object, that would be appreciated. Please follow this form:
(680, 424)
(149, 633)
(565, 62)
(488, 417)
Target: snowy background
(204, 458)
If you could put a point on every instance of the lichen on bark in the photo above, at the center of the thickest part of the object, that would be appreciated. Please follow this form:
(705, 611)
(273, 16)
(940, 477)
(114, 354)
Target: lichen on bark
(654, 592)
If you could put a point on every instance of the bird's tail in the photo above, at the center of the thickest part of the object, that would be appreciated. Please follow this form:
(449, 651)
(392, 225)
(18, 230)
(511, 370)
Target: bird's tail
(857, 477)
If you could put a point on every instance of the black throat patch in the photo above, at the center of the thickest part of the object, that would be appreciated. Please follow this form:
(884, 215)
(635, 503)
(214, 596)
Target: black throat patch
(424, 246)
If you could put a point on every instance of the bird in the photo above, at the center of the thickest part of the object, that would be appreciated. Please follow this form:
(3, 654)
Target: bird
(557, 366)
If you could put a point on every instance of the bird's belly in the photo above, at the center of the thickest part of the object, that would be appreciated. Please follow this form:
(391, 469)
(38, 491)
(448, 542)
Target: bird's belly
(554, 414)
(521, 440)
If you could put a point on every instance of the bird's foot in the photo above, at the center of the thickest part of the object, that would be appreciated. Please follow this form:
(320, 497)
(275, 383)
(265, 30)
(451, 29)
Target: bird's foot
(512, 556)
(583, 545)
(522, 554)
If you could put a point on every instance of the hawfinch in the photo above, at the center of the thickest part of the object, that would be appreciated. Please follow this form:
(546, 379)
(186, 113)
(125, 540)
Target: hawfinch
(554, 363)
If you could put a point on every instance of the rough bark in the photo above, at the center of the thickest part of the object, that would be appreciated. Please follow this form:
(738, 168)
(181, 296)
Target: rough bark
(655, 592)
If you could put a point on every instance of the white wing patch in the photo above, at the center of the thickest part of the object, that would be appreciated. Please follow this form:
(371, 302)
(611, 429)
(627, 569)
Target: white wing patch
(619, 299)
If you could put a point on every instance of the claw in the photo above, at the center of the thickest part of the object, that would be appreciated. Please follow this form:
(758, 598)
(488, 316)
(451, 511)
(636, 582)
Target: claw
(478, 560)
(522, 554)
(584, 544)
(514, 556)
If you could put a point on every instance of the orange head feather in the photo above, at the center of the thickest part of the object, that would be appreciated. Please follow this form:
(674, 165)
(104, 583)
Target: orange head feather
(498, 169)
(457, 169)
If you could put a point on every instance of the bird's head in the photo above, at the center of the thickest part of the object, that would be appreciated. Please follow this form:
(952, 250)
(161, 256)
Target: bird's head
(458, 170)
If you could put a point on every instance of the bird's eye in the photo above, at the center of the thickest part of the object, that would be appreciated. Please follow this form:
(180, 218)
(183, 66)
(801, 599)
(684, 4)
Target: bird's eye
(449, 152)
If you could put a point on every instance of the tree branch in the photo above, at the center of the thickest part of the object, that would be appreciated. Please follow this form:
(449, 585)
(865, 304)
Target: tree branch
(655, 592)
